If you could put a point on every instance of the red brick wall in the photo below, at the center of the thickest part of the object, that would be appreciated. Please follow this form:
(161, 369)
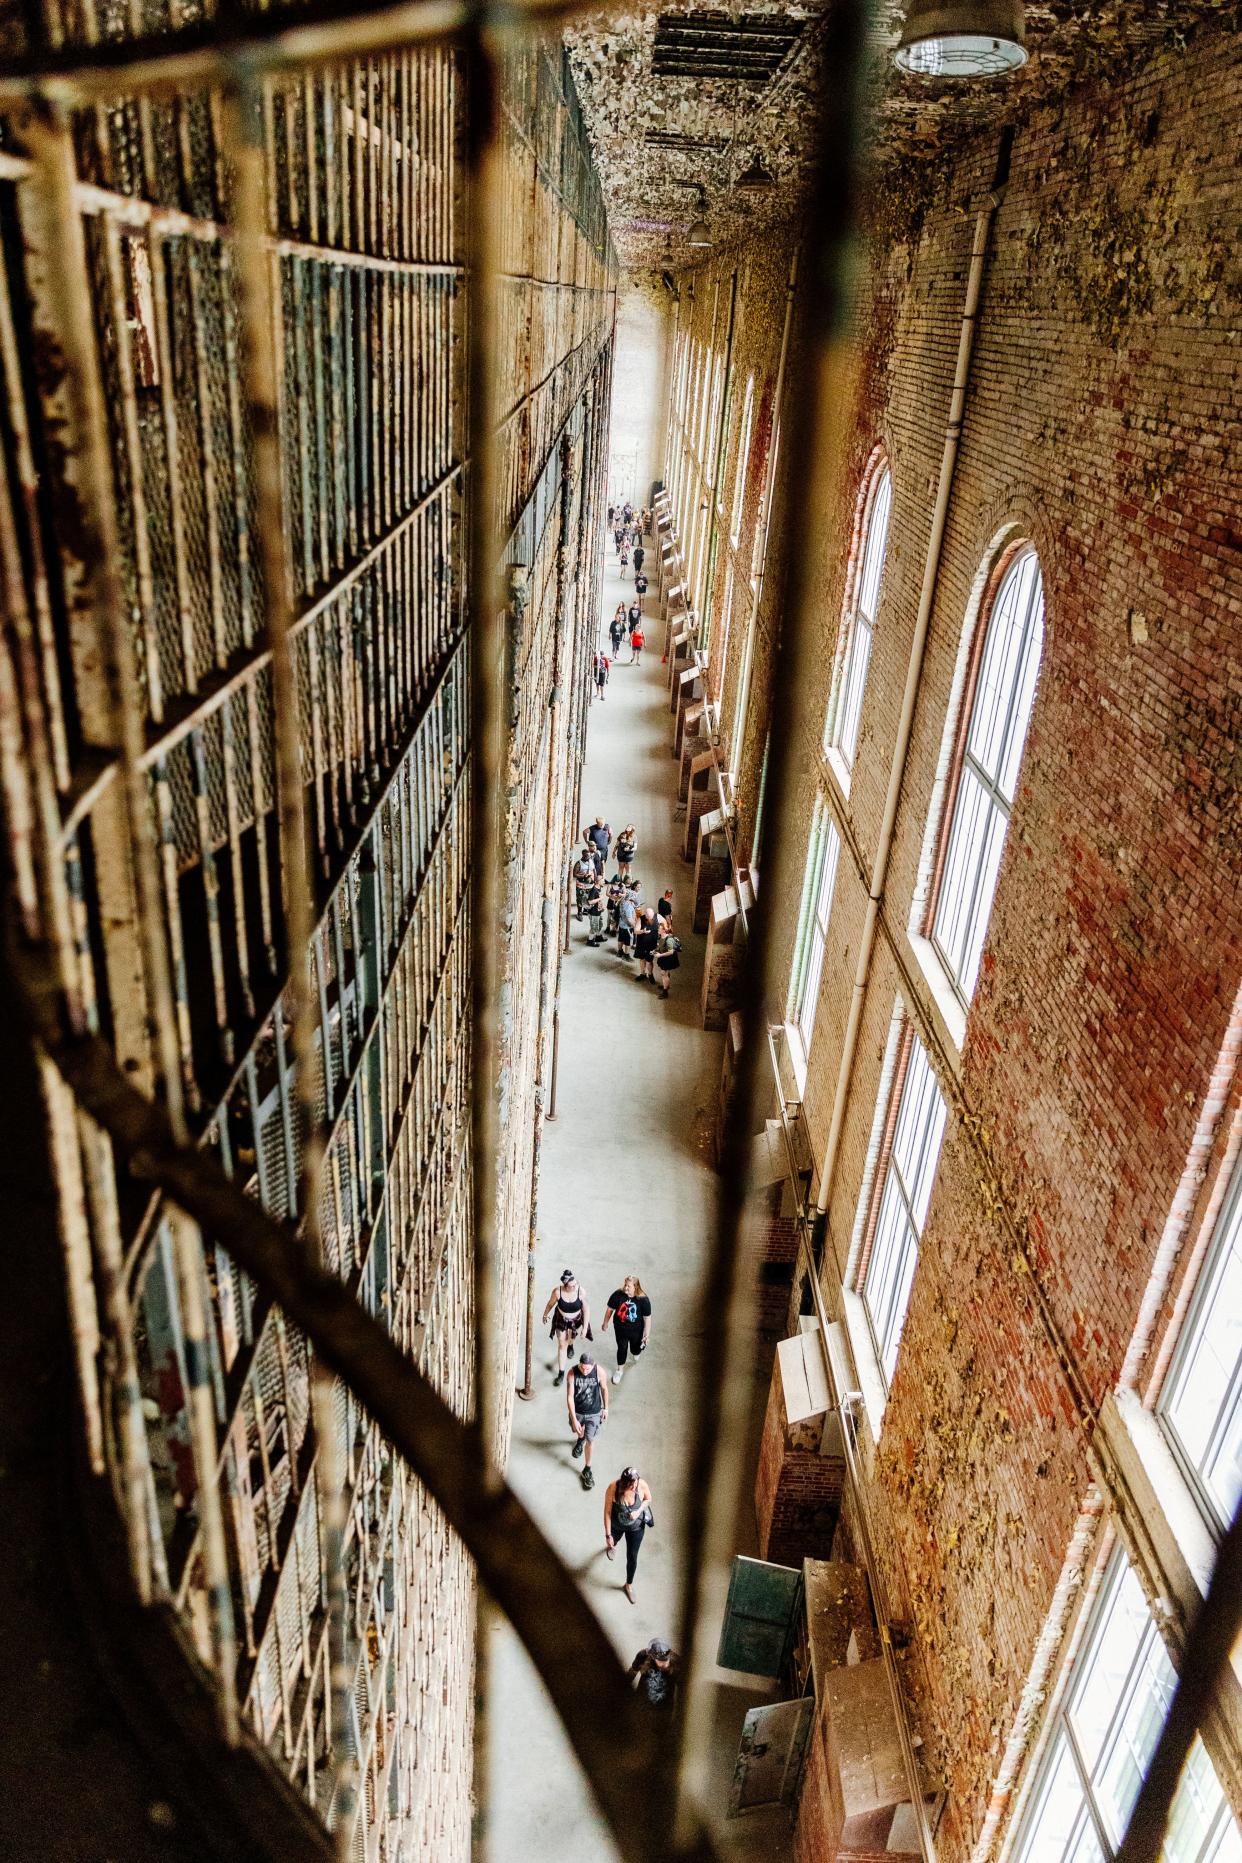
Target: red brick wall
(1099, 425)
(797, 1492)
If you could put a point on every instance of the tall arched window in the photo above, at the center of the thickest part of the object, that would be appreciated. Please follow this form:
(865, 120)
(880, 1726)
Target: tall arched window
(997, 706)
(846, 713)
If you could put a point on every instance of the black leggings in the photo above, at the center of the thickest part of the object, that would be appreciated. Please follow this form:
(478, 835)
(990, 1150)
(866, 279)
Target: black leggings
(627, 1343)
(633, 1537)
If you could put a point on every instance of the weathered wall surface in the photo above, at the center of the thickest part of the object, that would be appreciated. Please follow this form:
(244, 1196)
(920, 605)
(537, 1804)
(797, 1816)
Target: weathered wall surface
(1102, 427)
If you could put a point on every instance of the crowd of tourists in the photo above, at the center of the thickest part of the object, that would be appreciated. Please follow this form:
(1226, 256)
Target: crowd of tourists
(616, 908)
(630, 529)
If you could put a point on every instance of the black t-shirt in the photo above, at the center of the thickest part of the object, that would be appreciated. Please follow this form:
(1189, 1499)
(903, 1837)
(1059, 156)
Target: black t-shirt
(628, 1311)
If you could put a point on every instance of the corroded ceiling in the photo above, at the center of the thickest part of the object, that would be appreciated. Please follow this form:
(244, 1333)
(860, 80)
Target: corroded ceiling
(657, 131)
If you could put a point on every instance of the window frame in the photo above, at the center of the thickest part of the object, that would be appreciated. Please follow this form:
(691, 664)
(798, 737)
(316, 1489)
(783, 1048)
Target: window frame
(963, 762)
(1062, 1740)
(1225, 1238)
(886, 1339)
(859, 626)
(818, 891)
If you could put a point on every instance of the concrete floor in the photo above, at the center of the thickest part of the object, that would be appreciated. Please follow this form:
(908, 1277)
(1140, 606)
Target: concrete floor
(627, 1187)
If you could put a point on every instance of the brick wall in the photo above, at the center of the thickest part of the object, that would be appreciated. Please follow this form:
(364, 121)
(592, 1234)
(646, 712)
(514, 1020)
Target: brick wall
(1098, 427)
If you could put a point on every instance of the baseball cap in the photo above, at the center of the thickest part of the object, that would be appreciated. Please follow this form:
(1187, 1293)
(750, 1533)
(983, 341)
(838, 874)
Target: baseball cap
(659, 1647)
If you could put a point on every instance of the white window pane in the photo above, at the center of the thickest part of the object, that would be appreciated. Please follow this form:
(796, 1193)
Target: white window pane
(1201, 1827)
(1061, 1829)
(877, 541)
(853, 679)
(986, 875)
(1204, 1402)
(1135, 1734)
(908, 1177)
(1120, 1623)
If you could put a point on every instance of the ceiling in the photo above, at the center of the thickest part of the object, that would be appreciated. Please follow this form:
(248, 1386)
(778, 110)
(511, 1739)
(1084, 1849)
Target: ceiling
(677, 93)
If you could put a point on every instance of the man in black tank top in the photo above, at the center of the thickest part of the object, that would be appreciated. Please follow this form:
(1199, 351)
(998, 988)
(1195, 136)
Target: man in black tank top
(586, 1394)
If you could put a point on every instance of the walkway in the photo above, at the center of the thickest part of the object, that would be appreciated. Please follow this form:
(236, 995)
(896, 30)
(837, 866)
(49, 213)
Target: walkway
(627, 1188)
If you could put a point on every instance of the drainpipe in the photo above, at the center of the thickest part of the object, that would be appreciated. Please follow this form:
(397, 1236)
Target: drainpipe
(984, 220)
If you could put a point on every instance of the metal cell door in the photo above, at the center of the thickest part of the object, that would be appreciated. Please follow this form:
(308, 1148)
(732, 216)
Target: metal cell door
(769, 1760)
(761, 1617)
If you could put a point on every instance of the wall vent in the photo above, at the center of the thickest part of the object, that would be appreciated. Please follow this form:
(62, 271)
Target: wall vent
(707, 44)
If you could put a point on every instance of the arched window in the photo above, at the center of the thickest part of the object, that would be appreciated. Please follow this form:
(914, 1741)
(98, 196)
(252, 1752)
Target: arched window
(846, 713)
(997, 706)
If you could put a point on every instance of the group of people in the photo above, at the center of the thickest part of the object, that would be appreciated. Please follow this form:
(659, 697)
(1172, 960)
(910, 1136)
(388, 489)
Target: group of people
(617, 909)
(628, 527)
(614, 907)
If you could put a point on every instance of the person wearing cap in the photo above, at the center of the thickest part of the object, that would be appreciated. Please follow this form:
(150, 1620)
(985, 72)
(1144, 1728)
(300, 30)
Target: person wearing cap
(655, 1673)
(627, 1515)
(586, 1395)
(572, 1316)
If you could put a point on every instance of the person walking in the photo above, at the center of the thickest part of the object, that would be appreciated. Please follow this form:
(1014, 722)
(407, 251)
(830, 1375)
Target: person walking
(634, 618)
(664, 909)
(655, 1675)
(640, 585)
(639, 554)
(612, 516)
(668, 959)
(627, 847)
(629, 1311)
(616, 629)
(601, 673)
(625, 560)
(572, 1316)
(617, 535)
(627, 1515)
(586, 1396)
(638, 641)
(646, 943)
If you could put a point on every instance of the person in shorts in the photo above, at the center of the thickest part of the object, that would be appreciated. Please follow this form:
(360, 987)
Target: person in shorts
(668, 959)
(585, 877)
(594, 908)
(586, 1397)
(627, 847)
(646, 942)
(638, 641)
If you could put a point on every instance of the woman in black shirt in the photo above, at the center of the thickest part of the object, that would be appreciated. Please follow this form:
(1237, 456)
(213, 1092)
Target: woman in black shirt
(629, 1310)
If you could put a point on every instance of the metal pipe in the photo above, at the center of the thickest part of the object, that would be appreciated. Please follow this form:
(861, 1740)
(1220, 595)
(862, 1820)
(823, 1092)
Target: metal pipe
(526, 1389)
(931, 567)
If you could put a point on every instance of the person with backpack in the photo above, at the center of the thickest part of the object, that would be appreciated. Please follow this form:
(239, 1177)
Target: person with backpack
(602, 664)
(586, 1396)
(627, 1515)
(646, 942)
(668, 959)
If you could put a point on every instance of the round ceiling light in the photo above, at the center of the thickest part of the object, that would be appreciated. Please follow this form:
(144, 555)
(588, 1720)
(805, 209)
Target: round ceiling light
(962, 38)
(698, 235)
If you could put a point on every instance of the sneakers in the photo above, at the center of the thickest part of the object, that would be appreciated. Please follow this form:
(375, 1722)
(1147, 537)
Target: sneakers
(570, 1355)
(559, 1378)
(587, 1478)
(617, 1376)
(576, 1451)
